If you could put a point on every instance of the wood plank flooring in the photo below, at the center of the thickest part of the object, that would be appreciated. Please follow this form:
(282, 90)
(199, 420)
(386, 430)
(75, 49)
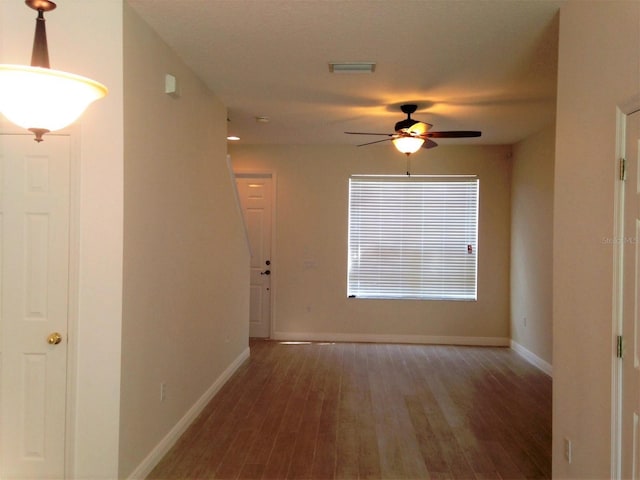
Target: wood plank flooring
(371, 411)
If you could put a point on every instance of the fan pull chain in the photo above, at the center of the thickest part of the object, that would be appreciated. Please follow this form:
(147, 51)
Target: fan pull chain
(408, 165)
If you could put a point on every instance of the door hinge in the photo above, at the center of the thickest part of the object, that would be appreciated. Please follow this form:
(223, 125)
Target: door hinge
(623, 169)
(619, 351)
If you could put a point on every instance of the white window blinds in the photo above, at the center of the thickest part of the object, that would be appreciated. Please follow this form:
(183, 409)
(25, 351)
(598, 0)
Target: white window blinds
(413, 237)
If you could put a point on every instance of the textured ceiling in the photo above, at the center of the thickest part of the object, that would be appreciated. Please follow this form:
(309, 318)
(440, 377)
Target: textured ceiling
(486, 65)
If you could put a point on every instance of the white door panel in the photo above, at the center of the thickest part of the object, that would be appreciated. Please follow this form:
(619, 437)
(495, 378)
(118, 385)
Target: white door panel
(255, 194)
(34, 260)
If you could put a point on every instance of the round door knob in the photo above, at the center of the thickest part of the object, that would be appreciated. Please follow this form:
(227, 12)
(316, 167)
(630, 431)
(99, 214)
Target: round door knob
(54, 339)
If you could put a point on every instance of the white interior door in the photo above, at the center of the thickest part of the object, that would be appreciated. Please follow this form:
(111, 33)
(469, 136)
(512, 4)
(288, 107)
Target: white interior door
(34, 260)
(255, 193)
(630, 421)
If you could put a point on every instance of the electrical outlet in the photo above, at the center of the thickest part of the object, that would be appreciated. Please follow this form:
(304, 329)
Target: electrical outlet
(568, 447)
(163, 391)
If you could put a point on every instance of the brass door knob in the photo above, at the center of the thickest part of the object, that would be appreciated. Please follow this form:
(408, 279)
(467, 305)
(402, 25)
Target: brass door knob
(54, 339)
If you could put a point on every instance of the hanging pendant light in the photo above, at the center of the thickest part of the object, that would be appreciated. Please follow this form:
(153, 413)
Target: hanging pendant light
(38, 98)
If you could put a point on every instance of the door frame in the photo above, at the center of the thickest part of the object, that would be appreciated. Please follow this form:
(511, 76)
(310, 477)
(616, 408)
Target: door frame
(74, 299)
(249, 173)
(622, 111)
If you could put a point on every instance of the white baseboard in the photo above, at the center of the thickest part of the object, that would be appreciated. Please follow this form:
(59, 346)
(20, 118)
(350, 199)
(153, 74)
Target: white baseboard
(174, 434)
(391, 338)
(532, 358)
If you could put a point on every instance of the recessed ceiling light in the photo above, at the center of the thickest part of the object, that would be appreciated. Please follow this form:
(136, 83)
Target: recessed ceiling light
(352, 67)
(262, 119)
(233, 138)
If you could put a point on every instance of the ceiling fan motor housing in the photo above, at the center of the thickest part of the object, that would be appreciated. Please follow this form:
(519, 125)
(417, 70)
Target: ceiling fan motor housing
(407, 122)
(404, 124)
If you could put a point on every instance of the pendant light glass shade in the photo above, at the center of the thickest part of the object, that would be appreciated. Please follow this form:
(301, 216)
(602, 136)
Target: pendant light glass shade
(38, 98)
(408, 145)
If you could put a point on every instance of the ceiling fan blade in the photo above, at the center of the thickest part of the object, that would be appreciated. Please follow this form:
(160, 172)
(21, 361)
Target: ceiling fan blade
(428, 143)
(419, 128)
(377, 141)
(454, 134)
(364, 133)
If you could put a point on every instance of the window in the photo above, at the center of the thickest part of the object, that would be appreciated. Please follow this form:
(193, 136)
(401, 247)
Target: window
(413, 237)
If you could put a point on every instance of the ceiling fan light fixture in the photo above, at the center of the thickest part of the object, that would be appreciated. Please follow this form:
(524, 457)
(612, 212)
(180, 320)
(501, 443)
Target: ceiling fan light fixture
(412, 134)
(352, 67)
(407, 144)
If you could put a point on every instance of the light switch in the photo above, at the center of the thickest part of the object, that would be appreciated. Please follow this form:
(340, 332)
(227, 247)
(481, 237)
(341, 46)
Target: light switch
(170, 85)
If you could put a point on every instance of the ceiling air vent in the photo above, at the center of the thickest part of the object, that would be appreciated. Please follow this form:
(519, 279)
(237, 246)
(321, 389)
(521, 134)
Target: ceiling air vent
(352, 67)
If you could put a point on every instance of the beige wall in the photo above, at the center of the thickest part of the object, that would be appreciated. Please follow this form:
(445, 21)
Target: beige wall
(311, 229)
(96, 212)
(532, 245)
(598, 70)
(186, 264)
(180, 321)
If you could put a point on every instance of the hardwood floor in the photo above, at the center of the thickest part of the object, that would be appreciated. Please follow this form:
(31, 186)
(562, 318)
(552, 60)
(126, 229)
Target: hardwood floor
(371, 411)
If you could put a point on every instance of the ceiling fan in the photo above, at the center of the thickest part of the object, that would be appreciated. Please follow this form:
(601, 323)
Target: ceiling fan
(412, 134)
